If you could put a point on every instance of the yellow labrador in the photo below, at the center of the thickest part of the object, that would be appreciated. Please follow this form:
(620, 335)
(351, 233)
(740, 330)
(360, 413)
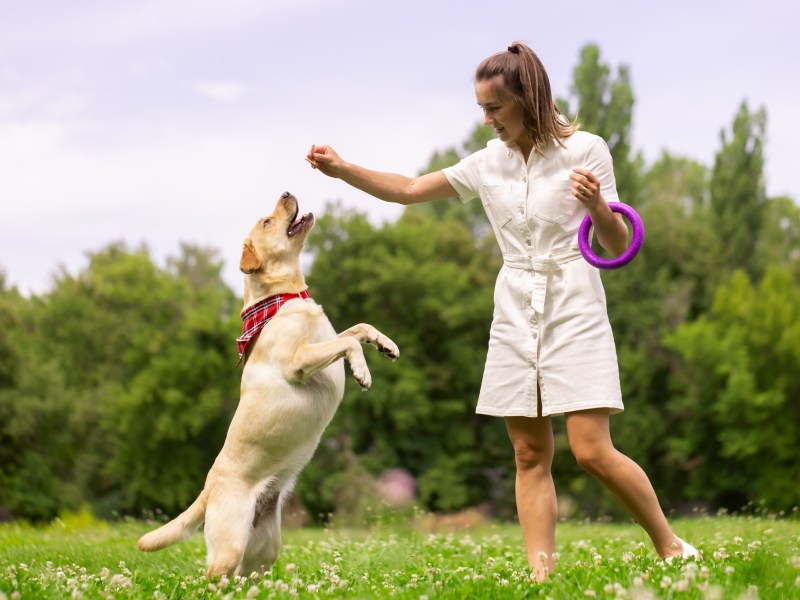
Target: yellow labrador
(292, 384)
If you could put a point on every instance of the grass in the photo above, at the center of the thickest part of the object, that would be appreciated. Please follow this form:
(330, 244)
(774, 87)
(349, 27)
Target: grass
(77, 557)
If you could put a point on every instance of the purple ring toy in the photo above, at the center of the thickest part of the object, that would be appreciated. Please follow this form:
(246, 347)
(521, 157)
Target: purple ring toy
(630, 253)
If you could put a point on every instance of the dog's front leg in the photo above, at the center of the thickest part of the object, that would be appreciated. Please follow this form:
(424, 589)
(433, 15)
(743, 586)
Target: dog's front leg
(367, 334)
(310, 358)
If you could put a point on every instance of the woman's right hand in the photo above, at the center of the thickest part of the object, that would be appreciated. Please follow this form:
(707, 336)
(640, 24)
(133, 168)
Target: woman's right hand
(326, 160)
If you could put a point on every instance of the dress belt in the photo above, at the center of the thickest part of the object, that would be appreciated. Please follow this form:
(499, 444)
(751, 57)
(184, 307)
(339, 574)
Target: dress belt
(541, 267)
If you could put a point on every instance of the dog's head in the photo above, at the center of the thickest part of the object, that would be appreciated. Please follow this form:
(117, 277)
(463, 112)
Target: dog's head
(271, 251)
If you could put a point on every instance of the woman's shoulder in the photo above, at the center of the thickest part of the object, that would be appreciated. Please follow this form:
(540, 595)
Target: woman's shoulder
(582, 139)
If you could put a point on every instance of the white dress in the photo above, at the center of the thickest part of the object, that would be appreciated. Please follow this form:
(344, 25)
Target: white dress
(550, 323)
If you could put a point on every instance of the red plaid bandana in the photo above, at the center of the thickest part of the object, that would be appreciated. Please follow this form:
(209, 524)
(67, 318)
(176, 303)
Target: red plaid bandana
(256, 316)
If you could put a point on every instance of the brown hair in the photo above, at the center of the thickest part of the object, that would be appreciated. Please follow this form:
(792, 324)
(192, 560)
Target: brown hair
(525, 80)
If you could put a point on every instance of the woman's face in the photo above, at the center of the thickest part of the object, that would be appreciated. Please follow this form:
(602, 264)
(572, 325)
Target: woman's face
(501, 112)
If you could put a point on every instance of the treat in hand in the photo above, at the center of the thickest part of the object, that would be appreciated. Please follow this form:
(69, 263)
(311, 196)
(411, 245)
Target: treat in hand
(310, 157)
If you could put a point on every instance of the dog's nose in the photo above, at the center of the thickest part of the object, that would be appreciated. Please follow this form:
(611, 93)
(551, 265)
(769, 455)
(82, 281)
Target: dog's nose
(286, 195)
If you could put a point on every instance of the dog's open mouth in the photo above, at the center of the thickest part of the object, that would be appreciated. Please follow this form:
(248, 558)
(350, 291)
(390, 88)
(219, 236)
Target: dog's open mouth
(298, 224)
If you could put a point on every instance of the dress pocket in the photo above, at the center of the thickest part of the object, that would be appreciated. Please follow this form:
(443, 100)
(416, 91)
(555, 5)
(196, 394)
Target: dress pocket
(552, 200)
(496, 200)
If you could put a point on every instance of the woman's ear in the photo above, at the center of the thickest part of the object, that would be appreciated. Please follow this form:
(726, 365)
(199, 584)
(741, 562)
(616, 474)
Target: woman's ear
(249, 263)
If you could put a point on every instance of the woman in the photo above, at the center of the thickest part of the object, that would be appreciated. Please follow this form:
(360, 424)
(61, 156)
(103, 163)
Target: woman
(551, 349)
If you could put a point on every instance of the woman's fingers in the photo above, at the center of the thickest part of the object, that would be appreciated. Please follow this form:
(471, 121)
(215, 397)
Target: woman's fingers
(585, 186)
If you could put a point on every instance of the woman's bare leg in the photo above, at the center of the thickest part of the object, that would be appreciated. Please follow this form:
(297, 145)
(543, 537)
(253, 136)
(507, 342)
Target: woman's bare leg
(590, 441)
(532, 439)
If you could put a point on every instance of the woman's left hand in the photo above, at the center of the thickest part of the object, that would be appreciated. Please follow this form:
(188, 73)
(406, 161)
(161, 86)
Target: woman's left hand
(585, 187)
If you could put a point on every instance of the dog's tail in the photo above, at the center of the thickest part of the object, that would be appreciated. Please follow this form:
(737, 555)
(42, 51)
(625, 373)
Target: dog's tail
(180, 528)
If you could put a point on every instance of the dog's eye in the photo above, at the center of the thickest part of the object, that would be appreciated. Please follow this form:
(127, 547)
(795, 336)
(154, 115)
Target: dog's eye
(265, 223)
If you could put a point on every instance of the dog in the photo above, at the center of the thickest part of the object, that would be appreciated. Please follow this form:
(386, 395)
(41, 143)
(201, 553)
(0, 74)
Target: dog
(292, 383)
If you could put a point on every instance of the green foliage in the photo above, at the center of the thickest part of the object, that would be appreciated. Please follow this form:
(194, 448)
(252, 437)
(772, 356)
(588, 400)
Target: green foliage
(470, 214)
(738, 391)
(428, 285)
(738, 194)
(603, 105)
(124, 385)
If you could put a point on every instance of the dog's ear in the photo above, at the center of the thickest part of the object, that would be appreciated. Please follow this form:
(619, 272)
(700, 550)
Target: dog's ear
(249, 263)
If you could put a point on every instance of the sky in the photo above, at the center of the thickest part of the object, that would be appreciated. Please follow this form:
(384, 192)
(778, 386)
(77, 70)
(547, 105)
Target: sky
(158, 122)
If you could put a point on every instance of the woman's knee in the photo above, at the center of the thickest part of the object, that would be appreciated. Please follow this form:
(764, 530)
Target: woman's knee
(593, 458)
(530, 455)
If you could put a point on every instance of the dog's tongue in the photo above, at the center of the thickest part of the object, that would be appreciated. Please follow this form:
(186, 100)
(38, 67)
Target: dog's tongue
(295, 226)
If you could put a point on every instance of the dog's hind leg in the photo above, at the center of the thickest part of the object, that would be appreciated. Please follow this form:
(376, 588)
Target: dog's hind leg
(265, 542)
(229, 518)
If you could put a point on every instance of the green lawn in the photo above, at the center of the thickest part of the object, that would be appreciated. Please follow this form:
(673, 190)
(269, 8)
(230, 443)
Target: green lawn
(743, 557)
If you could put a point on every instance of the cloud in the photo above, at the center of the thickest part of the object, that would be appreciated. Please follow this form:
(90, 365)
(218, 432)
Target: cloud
(223, 91)
(90, 23)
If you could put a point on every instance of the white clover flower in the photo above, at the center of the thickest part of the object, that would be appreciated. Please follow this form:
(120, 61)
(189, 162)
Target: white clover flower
(589, 593)
(627, 557)
(120, 581)
(291, 567)
(681, 585)
(312, 588)
(253, 591)
(729, 570)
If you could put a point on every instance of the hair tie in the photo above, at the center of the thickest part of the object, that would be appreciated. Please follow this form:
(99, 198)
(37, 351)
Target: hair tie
(513, 49)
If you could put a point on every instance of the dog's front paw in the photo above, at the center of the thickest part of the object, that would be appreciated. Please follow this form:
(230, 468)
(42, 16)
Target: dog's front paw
(363, 377)
(387, 347)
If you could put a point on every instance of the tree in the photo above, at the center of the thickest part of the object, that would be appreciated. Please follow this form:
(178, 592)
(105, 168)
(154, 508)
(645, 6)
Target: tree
(738, 195)
(428, 285)
(471, 214)
(736, 394)
(604, 106)
(130, 403)
(779, 238)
